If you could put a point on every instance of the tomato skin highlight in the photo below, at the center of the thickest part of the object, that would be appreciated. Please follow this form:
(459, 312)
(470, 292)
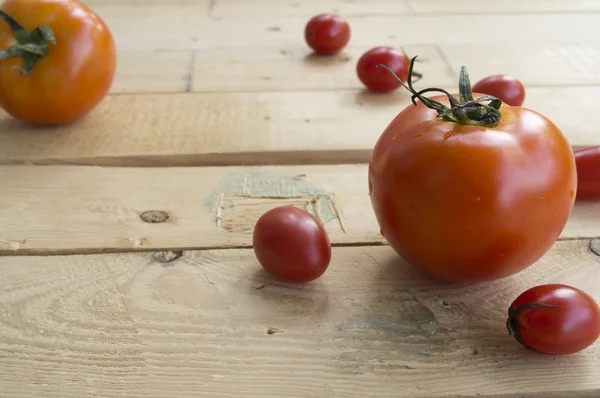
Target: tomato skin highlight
(568, 322)
(291, 244)
(588, 173)
(506, 88)
(379, 79)
(327, 34)
(74, 76)
(471, 204)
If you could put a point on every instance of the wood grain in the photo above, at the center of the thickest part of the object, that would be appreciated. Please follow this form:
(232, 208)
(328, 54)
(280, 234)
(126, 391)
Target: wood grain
(308, 8)
(293, 68)
(212, 323)
(487, 7)
(67, 209)
(251, 128)
(162, 27)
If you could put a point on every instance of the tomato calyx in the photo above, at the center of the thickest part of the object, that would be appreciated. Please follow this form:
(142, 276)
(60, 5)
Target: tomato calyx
(467, 110)
(31, 46)
(512, 323)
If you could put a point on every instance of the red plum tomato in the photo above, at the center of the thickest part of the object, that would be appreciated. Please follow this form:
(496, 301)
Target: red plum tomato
(588, 173)
(554, 319)
(291, 244)
(471, 194)
(327, 34)
(379, 79)
(506, 88)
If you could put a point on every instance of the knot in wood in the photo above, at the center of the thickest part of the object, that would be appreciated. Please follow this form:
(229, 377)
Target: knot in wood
(154, 216)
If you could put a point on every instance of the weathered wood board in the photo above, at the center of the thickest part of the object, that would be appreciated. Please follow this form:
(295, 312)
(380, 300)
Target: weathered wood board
(212, 323)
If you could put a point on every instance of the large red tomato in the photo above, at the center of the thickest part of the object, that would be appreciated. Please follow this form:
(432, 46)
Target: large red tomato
(57, 60)
(477, 194)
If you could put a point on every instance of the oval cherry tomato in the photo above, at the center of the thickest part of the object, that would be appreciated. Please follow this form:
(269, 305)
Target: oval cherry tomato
(73, 69)
(378, 79)
(554, 319)
(506, 88)
(476, 195)
(291, 244)
(588, 173)
(327, 34)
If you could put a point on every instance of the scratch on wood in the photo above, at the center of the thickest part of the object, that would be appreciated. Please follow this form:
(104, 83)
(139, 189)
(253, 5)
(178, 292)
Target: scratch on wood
(208, 279)
(14, 244)
(339, 212)
(595, 246)
(218, 209)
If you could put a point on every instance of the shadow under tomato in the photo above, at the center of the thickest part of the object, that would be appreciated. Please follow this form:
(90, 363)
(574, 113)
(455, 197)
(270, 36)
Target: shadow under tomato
(317, 60)
(289, 299)
(9, 125)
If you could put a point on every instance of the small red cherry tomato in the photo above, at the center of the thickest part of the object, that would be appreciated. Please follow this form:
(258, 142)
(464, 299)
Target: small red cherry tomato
(554, 319)
(379, 79)
(507, 89)
(291, 244)
(587, 161)
(327, 34)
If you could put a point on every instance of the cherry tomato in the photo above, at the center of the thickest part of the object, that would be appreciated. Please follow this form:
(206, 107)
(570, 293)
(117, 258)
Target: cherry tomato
(588, 173)
(554, 319)
(327, 34)
(475, 195)
(506, 88)
(291, 244)
(62, 66)
(380, 80)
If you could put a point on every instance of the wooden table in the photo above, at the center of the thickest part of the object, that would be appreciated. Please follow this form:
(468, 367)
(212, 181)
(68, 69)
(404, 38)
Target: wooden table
(218, 113)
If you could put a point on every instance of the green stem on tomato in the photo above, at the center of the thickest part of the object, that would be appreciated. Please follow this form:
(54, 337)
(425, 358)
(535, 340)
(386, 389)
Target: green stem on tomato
(512, 323)
(466, 111)
(31, 46)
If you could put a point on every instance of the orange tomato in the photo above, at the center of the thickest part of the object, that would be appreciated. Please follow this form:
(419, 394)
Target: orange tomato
(473, 196)
(46, 81)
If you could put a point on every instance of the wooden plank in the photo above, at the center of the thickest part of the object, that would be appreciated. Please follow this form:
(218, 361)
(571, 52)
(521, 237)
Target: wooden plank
(276, 69)
(73, 209)
(153, 71)
(308, 8)
(547, 64)
(251, 128)
(185, 28)
(129, 325)
(518, 7)
(293, 68)
(406, 30)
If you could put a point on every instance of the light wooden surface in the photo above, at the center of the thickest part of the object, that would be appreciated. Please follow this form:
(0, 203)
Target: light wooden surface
(68, 209)
(371, 326)
(96, 302)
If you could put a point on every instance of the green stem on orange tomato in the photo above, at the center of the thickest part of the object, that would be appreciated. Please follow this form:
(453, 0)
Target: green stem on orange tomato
(466, 111)
(31, 46)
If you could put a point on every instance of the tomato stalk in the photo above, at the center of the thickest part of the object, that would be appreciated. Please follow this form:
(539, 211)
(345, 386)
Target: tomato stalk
(467, 110)
(512, 323)
(31, 46)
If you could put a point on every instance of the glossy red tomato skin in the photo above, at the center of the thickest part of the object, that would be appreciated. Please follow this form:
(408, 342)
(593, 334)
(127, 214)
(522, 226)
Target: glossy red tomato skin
(291, 244)
(471, 204)
(588, 173)
(506, 88)
(327, 34)
(570, 328)
(74, 76)
(380, 79)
